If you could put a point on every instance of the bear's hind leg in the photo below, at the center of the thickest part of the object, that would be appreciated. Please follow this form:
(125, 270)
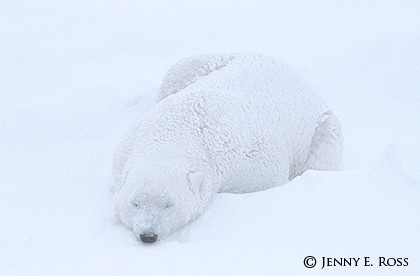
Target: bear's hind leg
(327, 145)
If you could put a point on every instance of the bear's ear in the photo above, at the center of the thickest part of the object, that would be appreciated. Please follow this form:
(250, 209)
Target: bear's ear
(120, 182)
(202, 187)
(195, 182)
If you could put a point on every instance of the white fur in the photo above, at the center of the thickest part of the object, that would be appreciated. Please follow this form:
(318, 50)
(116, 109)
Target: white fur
(223, 123)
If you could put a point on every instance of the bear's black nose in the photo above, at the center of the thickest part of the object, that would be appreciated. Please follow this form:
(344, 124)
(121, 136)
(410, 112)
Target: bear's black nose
(148, 237)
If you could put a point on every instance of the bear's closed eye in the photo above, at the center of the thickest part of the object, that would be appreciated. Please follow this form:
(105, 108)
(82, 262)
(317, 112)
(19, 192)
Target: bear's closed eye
(168, 205)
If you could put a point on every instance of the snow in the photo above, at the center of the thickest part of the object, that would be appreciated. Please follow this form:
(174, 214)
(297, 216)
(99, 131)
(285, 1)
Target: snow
(75, 74)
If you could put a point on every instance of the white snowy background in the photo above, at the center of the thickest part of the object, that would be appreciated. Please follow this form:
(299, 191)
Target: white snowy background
(75, 74)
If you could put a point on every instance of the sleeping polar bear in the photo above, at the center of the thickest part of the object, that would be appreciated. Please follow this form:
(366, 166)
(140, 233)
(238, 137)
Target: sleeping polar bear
(223, 123)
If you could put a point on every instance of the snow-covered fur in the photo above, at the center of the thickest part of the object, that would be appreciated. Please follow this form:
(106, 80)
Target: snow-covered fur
(223, 123)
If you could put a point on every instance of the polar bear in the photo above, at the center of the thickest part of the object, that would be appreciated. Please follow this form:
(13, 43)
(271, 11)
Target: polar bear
(223, 123)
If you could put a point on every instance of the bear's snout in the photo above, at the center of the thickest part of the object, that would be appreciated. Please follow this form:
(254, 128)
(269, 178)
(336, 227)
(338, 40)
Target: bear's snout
(148, 237)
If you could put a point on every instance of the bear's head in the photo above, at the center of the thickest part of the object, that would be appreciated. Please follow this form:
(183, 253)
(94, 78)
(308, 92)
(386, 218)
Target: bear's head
(154, 203)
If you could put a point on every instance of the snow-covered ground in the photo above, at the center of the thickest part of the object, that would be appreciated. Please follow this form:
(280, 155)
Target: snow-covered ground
(75, 74)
